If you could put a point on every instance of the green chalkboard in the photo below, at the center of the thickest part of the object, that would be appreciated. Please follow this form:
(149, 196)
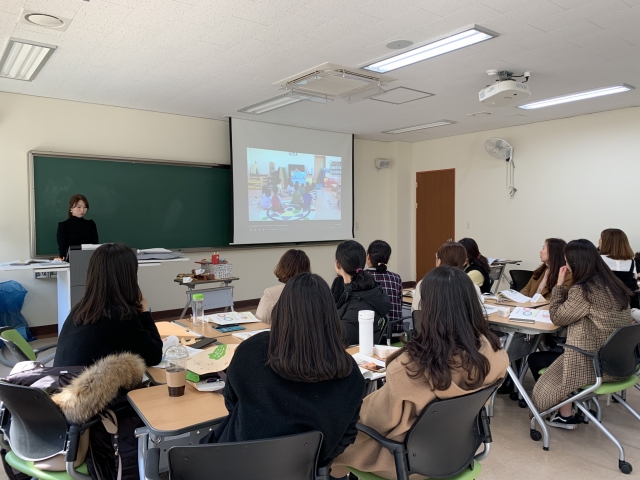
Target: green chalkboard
(140, 203)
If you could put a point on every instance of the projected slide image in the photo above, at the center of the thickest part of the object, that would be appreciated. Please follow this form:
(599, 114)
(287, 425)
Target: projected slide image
(293, 186)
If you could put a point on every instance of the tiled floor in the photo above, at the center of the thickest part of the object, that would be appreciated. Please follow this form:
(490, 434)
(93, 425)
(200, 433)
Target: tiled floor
(582, 454)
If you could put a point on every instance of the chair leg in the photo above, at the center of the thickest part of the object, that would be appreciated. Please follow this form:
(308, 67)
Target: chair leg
(595, 421)
(623, 394)
(492, 401)
(598, 409)
(626, 405)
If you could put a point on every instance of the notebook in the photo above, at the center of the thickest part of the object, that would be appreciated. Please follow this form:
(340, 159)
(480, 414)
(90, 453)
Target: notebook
(530, 315)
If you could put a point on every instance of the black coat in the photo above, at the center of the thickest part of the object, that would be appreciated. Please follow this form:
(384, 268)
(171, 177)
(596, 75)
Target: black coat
(486, 285)
(83, 345)
(262, 404)
(349, 303)
(75, 231)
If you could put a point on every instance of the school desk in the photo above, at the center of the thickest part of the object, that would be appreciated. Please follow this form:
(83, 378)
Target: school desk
(171, 421)
(217, 297)
(208, 330)
(520, 341)
(508, 303)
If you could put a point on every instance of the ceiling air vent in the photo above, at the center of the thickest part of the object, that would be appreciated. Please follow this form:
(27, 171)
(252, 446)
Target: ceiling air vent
(335, 81)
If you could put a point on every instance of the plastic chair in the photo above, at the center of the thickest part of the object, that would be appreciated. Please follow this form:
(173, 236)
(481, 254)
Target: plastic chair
(21, 349)
(618, 357)
(443, 441)
(520, 278)
(36, 430)
(290, 457)
(389, 334)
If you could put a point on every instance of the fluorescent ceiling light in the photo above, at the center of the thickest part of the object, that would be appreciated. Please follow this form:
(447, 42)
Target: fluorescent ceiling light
(271, 104)
(413, 128)
(22, 60)
(282, 101)
(446, 45)
(573, 97)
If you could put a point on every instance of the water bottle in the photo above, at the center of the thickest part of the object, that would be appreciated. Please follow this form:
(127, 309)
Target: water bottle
(365, 321)
(197, 308)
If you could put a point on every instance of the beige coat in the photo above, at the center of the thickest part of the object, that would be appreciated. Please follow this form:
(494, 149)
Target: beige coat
(531, 288)
(394, 408)
(267, 302)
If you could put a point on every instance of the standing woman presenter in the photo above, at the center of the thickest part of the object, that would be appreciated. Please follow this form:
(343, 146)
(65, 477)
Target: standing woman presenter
(76, 230)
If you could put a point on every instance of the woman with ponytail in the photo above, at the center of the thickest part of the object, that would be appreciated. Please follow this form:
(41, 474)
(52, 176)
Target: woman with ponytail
(378, 255)
(356, 290)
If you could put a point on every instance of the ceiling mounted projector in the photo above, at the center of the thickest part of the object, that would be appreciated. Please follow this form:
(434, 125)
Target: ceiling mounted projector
(506, 91)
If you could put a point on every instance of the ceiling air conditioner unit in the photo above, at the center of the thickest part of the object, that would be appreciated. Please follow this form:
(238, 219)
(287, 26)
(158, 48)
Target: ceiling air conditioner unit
(336, 81)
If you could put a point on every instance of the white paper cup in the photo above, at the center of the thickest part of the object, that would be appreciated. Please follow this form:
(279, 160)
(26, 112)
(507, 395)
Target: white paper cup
(365, 320)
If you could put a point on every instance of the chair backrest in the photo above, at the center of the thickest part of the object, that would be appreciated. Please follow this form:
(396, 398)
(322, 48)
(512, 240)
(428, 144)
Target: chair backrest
(37, 429)
(520, 278)
(619, 356)
(17, 344)
(415, 315)
(294, 457)
(446, 436)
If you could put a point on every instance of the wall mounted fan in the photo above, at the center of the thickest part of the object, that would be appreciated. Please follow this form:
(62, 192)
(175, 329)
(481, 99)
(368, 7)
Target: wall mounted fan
(500, 149)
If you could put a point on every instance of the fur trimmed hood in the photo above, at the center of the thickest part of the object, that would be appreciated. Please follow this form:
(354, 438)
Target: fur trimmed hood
(93, 390)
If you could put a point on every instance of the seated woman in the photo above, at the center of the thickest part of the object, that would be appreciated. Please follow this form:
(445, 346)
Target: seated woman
(112, 317)
(378, 255)
(357, 290)
(546, 275)
(291, 264)
(454, 354)
(619, 257)
(596, 305)
(477, 265)
(296, 378)
(450, 254)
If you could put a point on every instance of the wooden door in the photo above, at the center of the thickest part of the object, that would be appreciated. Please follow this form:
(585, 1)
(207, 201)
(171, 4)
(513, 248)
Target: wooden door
(435, 216)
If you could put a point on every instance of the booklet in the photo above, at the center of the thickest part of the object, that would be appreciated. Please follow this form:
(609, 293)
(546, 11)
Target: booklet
(514, 296)
(530, 315)
(371, 368)
(231, 318)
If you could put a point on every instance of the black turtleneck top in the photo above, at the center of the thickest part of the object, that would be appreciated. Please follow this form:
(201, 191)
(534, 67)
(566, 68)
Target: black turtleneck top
(75, 231)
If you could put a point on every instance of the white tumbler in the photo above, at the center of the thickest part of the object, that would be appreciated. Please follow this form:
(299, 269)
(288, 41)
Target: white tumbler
(365, 319)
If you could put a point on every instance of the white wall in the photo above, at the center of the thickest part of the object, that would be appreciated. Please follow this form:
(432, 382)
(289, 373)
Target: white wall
(34, 123)
(575, 177)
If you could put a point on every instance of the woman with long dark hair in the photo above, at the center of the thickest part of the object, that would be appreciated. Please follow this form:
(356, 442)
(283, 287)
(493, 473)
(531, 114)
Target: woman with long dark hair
(477, 265)
(113, 316)
(290, 264)
(546, 275)
(453, 354)
(296, 378)
(359, 292)
(594, 307)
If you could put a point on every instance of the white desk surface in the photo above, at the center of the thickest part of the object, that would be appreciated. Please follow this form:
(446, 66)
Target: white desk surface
(61, 267)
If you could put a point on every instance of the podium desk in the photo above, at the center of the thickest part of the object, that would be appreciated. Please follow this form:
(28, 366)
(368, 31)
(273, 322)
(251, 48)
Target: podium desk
(216, 297)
